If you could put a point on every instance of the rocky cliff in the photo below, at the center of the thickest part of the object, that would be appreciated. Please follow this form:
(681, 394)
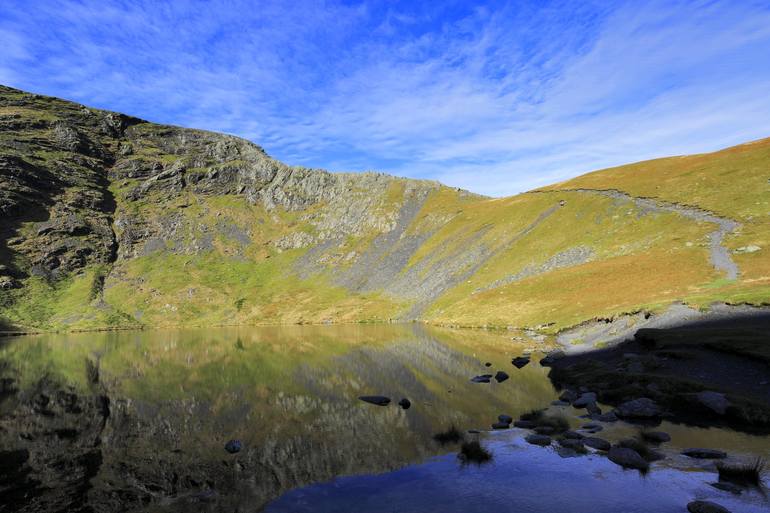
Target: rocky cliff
(110, 221)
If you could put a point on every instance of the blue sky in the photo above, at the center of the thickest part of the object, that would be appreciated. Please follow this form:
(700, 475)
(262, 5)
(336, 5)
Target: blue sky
(496, 97)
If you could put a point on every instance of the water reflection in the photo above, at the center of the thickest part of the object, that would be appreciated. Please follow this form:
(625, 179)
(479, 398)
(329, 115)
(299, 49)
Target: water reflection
(288, 393)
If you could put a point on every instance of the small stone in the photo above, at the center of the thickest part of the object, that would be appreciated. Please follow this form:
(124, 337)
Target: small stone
(379, 400)
(541, 440)
(405, 403)
(233, 446)
(501, 376)
(706, 507)
(520, 361)
(484, 378)
(705, 454)
(488, 364)
(599, 444)
(627, 458)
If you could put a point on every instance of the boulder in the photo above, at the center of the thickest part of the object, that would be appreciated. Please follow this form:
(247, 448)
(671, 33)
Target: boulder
(541, 440)
(520, 361)
(233, 446)
(642, 408)
(706, 507)
(379, 400)
(405, 403)
(714, 401)
(501, 376)
(599, 444)
(627, 458)
(705, 454)
(657, 437)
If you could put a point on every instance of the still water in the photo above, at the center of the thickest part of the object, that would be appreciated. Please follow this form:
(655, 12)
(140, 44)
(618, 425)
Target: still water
(125, 421)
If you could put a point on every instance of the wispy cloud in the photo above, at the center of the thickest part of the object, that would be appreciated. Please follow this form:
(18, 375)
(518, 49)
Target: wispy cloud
(493, 97)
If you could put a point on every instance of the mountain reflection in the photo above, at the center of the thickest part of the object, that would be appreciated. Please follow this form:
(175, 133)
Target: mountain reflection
(172, 399)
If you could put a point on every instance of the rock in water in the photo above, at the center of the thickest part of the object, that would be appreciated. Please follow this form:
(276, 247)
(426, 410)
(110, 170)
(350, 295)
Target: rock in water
(585, 400)
(405, 403)
(501, 425)
(714, 401)
(233, 446)
(706, 507)
(541, 440)
(501, 376)
(505, 418)
(599, 444)
(520, 361)
(484, 378)
(379, 400)
(627, 458)
(642, 408)
(705, 454)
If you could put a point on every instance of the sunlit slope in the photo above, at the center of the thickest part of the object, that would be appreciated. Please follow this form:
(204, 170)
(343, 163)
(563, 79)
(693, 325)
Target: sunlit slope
(110, 221)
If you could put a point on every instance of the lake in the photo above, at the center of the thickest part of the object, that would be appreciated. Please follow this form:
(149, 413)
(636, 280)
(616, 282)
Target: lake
(122, 421)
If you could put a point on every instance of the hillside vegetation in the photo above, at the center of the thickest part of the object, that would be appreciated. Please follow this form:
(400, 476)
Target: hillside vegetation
(108, 221)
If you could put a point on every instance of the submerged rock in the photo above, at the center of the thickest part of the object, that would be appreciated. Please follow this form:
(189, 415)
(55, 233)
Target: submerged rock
(379, 400)
(405, 403)
(705, 454)
(657, 437)
(233, 446)
(627, 458)
(501, 376)
(706, 507)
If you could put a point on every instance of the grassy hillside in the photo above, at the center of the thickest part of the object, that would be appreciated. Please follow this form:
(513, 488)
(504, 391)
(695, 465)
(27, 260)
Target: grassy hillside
(110, 221)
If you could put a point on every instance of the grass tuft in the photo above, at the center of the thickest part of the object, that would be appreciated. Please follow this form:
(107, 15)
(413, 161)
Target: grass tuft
(474, 452)
(743, 473)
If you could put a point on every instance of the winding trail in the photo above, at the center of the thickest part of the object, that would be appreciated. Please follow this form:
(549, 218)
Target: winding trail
(719, 255)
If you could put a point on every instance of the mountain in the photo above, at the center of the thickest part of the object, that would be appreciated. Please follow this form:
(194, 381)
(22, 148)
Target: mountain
(109, 221)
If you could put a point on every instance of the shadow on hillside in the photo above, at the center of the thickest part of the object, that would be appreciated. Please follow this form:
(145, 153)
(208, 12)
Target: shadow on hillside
(728, 356)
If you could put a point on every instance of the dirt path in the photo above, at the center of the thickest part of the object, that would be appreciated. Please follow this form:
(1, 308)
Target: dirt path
(720, 256)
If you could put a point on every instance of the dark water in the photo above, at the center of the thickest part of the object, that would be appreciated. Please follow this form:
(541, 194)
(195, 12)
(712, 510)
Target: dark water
(138, 421)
